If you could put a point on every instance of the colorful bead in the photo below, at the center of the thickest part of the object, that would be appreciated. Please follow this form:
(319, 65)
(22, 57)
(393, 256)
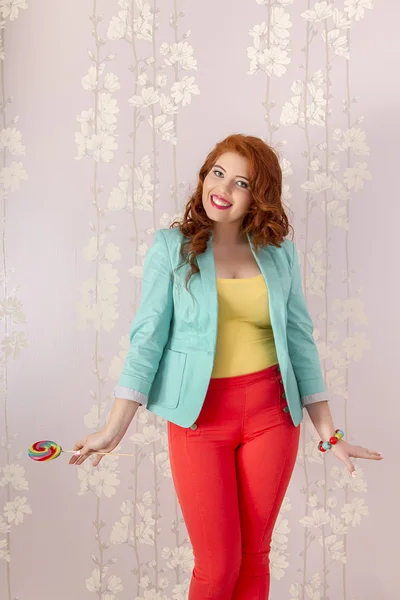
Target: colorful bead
(324, 446)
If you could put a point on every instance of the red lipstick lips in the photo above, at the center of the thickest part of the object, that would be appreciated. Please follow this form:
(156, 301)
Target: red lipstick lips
(222, 203)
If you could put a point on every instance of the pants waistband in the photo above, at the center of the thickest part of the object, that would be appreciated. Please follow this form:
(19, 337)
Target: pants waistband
(243, 380)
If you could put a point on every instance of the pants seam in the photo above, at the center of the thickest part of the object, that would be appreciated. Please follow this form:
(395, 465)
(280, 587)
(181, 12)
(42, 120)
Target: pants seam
(267, 522)
(200, 515)
(243, 415)
(276, 489)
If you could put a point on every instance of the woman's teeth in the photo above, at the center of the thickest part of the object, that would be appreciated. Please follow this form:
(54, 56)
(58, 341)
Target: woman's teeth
(220, 203)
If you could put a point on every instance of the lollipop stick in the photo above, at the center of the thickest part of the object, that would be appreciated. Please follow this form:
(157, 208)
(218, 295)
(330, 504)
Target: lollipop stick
(94, 452)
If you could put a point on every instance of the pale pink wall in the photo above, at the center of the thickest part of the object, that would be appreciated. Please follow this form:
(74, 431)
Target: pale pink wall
(46, 229)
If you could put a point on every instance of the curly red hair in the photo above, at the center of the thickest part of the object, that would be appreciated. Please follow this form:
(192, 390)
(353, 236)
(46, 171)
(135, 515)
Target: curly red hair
(266, 220)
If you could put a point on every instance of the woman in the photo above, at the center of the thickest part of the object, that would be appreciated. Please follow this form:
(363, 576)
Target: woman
(222, 348)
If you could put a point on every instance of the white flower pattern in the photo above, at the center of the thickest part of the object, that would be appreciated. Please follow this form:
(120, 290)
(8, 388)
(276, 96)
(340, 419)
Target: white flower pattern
(136, 78)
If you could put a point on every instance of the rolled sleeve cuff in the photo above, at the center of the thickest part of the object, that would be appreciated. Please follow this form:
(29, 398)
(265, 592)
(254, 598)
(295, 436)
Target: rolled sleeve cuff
(318, 397)
(130, 394)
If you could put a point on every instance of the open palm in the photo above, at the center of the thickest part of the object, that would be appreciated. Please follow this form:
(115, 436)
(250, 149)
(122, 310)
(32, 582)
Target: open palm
(345, 451)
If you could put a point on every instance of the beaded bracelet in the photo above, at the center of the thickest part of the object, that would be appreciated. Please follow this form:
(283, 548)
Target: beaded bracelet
(324, 446)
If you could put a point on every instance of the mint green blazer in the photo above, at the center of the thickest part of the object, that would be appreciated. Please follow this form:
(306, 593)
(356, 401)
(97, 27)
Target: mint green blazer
(173, 336)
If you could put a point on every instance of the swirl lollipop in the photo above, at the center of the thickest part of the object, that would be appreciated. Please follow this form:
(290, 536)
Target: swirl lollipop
(47, 450)
(44, 450)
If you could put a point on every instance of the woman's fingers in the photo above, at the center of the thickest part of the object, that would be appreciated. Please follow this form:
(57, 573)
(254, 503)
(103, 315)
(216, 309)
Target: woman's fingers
(375, 452)
(85, 452)
(78, 447)
(97, 459)
(374, 455)
(94, 443)
(360, 452)
(350, 466)
(82, 452)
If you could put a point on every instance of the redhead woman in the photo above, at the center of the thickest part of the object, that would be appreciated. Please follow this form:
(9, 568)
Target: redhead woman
(222, 347)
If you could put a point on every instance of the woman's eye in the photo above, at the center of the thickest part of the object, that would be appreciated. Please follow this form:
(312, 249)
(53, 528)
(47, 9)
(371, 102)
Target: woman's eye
(215, 171)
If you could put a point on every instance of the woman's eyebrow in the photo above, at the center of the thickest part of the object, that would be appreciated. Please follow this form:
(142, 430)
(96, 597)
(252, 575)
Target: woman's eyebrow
(241, 176)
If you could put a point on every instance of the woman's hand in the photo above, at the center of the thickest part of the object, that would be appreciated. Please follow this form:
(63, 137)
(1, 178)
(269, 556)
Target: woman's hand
(100, 441)
(344, 451)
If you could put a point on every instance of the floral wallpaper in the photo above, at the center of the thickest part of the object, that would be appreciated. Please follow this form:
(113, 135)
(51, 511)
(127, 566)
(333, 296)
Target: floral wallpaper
(107, 109)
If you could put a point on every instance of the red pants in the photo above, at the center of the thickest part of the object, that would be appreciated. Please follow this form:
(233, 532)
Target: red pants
(231, 474)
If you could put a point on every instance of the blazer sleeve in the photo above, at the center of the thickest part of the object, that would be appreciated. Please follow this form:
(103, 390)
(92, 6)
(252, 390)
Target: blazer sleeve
(301, 344)
(151, 324)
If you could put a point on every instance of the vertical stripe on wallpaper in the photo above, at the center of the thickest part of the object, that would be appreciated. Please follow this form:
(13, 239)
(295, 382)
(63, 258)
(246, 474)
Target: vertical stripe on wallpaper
(157, 83)
(332, 136)
(14, 504)
(269, 56)
(97, 308)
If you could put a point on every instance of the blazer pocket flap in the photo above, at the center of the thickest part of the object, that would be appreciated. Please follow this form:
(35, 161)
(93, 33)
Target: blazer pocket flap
(167, 383)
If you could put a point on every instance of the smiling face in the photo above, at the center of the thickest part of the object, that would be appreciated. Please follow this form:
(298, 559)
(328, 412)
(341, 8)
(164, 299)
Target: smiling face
(226, 189)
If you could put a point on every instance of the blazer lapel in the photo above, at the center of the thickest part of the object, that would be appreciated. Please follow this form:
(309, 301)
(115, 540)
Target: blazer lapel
(265, 261)
(206, 264)
(276, 298)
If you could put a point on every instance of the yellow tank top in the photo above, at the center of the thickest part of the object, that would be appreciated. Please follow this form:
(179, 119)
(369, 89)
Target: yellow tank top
(245, 340)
